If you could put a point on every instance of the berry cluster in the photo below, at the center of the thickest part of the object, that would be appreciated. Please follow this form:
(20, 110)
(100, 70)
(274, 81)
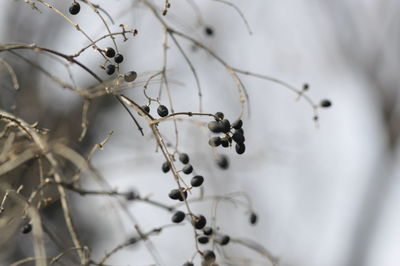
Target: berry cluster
(221, 125)
(118, 58)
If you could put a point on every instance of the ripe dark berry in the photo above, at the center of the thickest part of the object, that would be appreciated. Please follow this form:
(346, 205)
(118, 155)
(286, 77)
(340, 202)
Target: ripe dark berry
(325, 103)
(214, 141)
(306, 87)
(174, 194)
(209, 31)
(162, 110)
(27, 228)
(165, 167)
(199, 222)
(238, 137)
(184, 158)
(187, 169)
(222, 161)
(209, 256)
(188, 264)
(110, 69)
(224, 240)
(133, 240)
(219, 116)
(146, 108)
(207, 231)
(214, 127)
(110, 52)
(237, 124)
(240, 148)
(253, 218)
(240, 131)
(197, 181)
(74, 8)
(225, 125)
(118, 58)
(130, 76)
(225, 143)
(178, 217)
(132, 195)
(203, 239)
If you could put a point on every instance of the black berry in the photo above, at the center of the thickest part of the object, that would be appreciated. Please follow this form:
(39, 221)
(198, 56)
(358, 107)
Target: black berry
(225, 126)
(146, 108)
(184, 158)
(130, 76)
(162, 110)
(132, 195)
(197, 181)
(207, 231)
(178, 217)
(74, 8)
(203, 239)
(219, 116)
(214, 141)
(237, 124)
(187, 169)
(326, 103)
(224, 240)
(214, 127)
(199, 222)
(253, 218)
(238, 137)
(118, 58)
(110, 69)
(174, 194)
(27, 228)
(188, 264)
(209, 256)
(240, 148)
(165, 167)
(225, 143)
(209, 31)
(110, 52)
(222, 162)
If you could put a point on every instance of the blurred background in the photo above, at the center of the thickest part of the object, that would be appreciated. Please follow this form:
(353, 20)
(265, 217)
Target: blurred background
(325, 196)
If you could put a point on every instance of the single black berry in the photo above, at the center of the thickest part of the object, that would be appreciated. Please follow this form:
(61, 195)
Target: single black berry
(178, 217)
(326, 103)
(130, 76)
(74, 8)
(132, 195)
(209, 31)
(165, 167)
(238, 137)
(110, 52)
(306, 87)
(214, 127)
(27, 228)
(187, 169)
(199, 222)
(207, 231)
(214, 141)
(225, 125)
(184, 158)
(110, 69)
(203, 239)
(219, 116)
(222, 161)
(197, 181)
(146, 108)
(174, 194)
(253, 218)
(237, 124)
(209, 256)
(162, 110)
(240, 148)
(225, 143)
(118, 58)
(188, 264)
(224, 240)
